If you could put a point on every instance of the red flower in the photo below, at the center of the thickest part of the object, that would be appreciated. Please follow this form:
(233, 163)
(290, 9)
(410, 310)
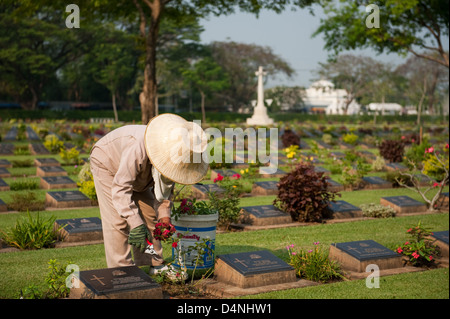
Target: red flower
(174, 244)
(431, 257)
(237, 176)
(218, 178)
(399, 250)
(409, 230)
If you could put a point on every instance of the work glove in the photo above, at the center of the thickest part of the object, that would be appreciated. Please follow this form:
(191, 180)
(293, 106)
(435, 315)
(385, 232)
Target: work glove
(138, 237)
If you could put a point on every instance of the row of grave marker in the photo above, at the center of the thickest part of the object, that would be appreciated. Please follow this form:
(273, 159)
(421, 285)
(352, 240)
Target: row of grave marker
(243, 272)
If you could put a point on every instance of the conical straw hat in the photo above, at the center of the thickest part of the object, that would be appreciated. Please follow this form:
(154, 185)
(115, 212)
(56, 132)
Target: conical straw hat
(176, 148)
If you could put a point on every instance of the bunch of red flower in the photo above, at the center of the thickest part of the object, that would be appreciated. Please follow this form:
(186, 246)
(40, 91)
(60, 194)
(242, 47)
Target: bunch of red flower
(163, 231)
(187, 207)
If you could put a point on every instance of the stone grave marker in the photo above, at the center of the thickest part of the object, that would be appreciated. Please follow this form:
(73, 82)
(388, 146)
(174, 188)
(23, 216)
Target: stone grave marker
(46, 161)
(3, 185)
(320, 169)
(38, 149)
(403, 204)
(304, 145)
(263, 215)
(441, 241)
(267, 172)
(31, 134)
(337, 155)
(4, 172)
(3, 206)
(6, 149)
(356, 255)
(253, 269)
(442, 202)
(5, 163)
(369, 156)
(342, 209)
(375, 182)
(11, 135)
(335, 186)
(366, 146)
(265, 188)
(44, 171)
(53, 182)
(200, 191)
(345, 146)
(80, 229)
(323, 145)
(128, 282)
(67, 199)
(223, 172)
(396, 167)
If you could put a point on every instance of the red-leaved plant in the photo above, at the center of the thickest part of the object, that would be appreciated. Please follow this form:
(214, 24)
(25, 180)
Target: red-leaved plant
(305, 194)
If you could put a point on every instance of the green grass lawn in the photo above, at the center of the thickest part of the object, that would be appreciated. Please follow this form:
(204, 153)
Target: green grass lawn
(20, 269)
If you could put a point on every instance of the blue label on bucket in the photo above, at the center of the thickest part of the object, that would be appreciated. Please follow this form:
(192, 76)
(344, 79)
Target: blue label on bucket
(189, 254)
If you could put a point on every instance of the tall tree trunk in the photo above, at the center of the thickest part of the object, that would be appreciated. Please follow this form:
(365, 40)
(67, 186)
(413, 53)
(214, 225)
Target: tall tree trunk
(116, 116)
(149, 90)
(203, 107)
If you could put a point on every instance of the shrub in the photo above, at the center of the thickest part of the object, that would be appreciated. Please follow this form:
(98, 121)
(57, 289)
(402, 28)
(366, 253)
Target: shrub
(378, 164)
(32, 233)
(53, 144)
(420, 250)
(392, 150)
(216, 165)
(70, 156)
(377, 211)
(55, 281)
(289, 138)
(314, 264)
(21, 150)
(350, 138)
(23, 184)
(327, 138)
(228, 203)
(304, 194)
(22, 163)
(28, 201)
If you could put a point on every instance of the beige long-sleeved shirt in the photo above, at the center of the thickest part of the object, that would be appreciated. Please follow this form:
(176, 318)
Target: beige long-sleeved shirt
(123, 154)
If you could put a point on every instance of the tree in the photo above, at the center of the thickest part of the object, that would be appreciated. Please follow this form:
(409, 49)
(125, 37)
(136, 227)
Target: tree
(240, 61)
(33, 49)
(427, 83)
(404, 27)
(286, 98)
(113, 61)
(208, 77)
(352, 73)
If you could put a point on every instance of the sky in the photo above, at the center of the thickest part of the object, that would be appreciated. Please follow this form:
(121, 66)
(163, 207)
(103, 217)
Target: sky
(289, 34)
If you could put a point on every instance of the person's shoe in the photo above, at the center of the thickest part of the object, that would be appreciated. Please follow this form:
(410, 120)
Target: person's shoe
(169, 272)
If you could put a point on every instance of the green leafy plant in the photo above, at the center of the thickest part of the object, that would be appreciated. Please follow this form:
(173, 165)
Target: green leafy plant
(377, 210)
(314, 264)
(27, 201)
(21, 150)
(32, 233)
(23, 184)
(304, 194)
(70, 156)
(350, 138)
(22, 163)
(53, 144)
(55, 284)
(192, 207)
(86, 182)
(378, 164)
(419, 249)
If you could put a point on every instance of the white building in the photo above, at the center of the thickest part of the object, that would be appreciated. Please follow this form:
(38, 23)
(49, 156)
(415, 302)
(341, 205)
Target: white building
(322, 97)
(385, 108)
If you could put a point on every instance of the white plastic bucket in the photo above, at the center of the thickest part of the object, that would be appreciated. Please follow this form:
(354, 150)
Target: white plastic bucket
(195, 230)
